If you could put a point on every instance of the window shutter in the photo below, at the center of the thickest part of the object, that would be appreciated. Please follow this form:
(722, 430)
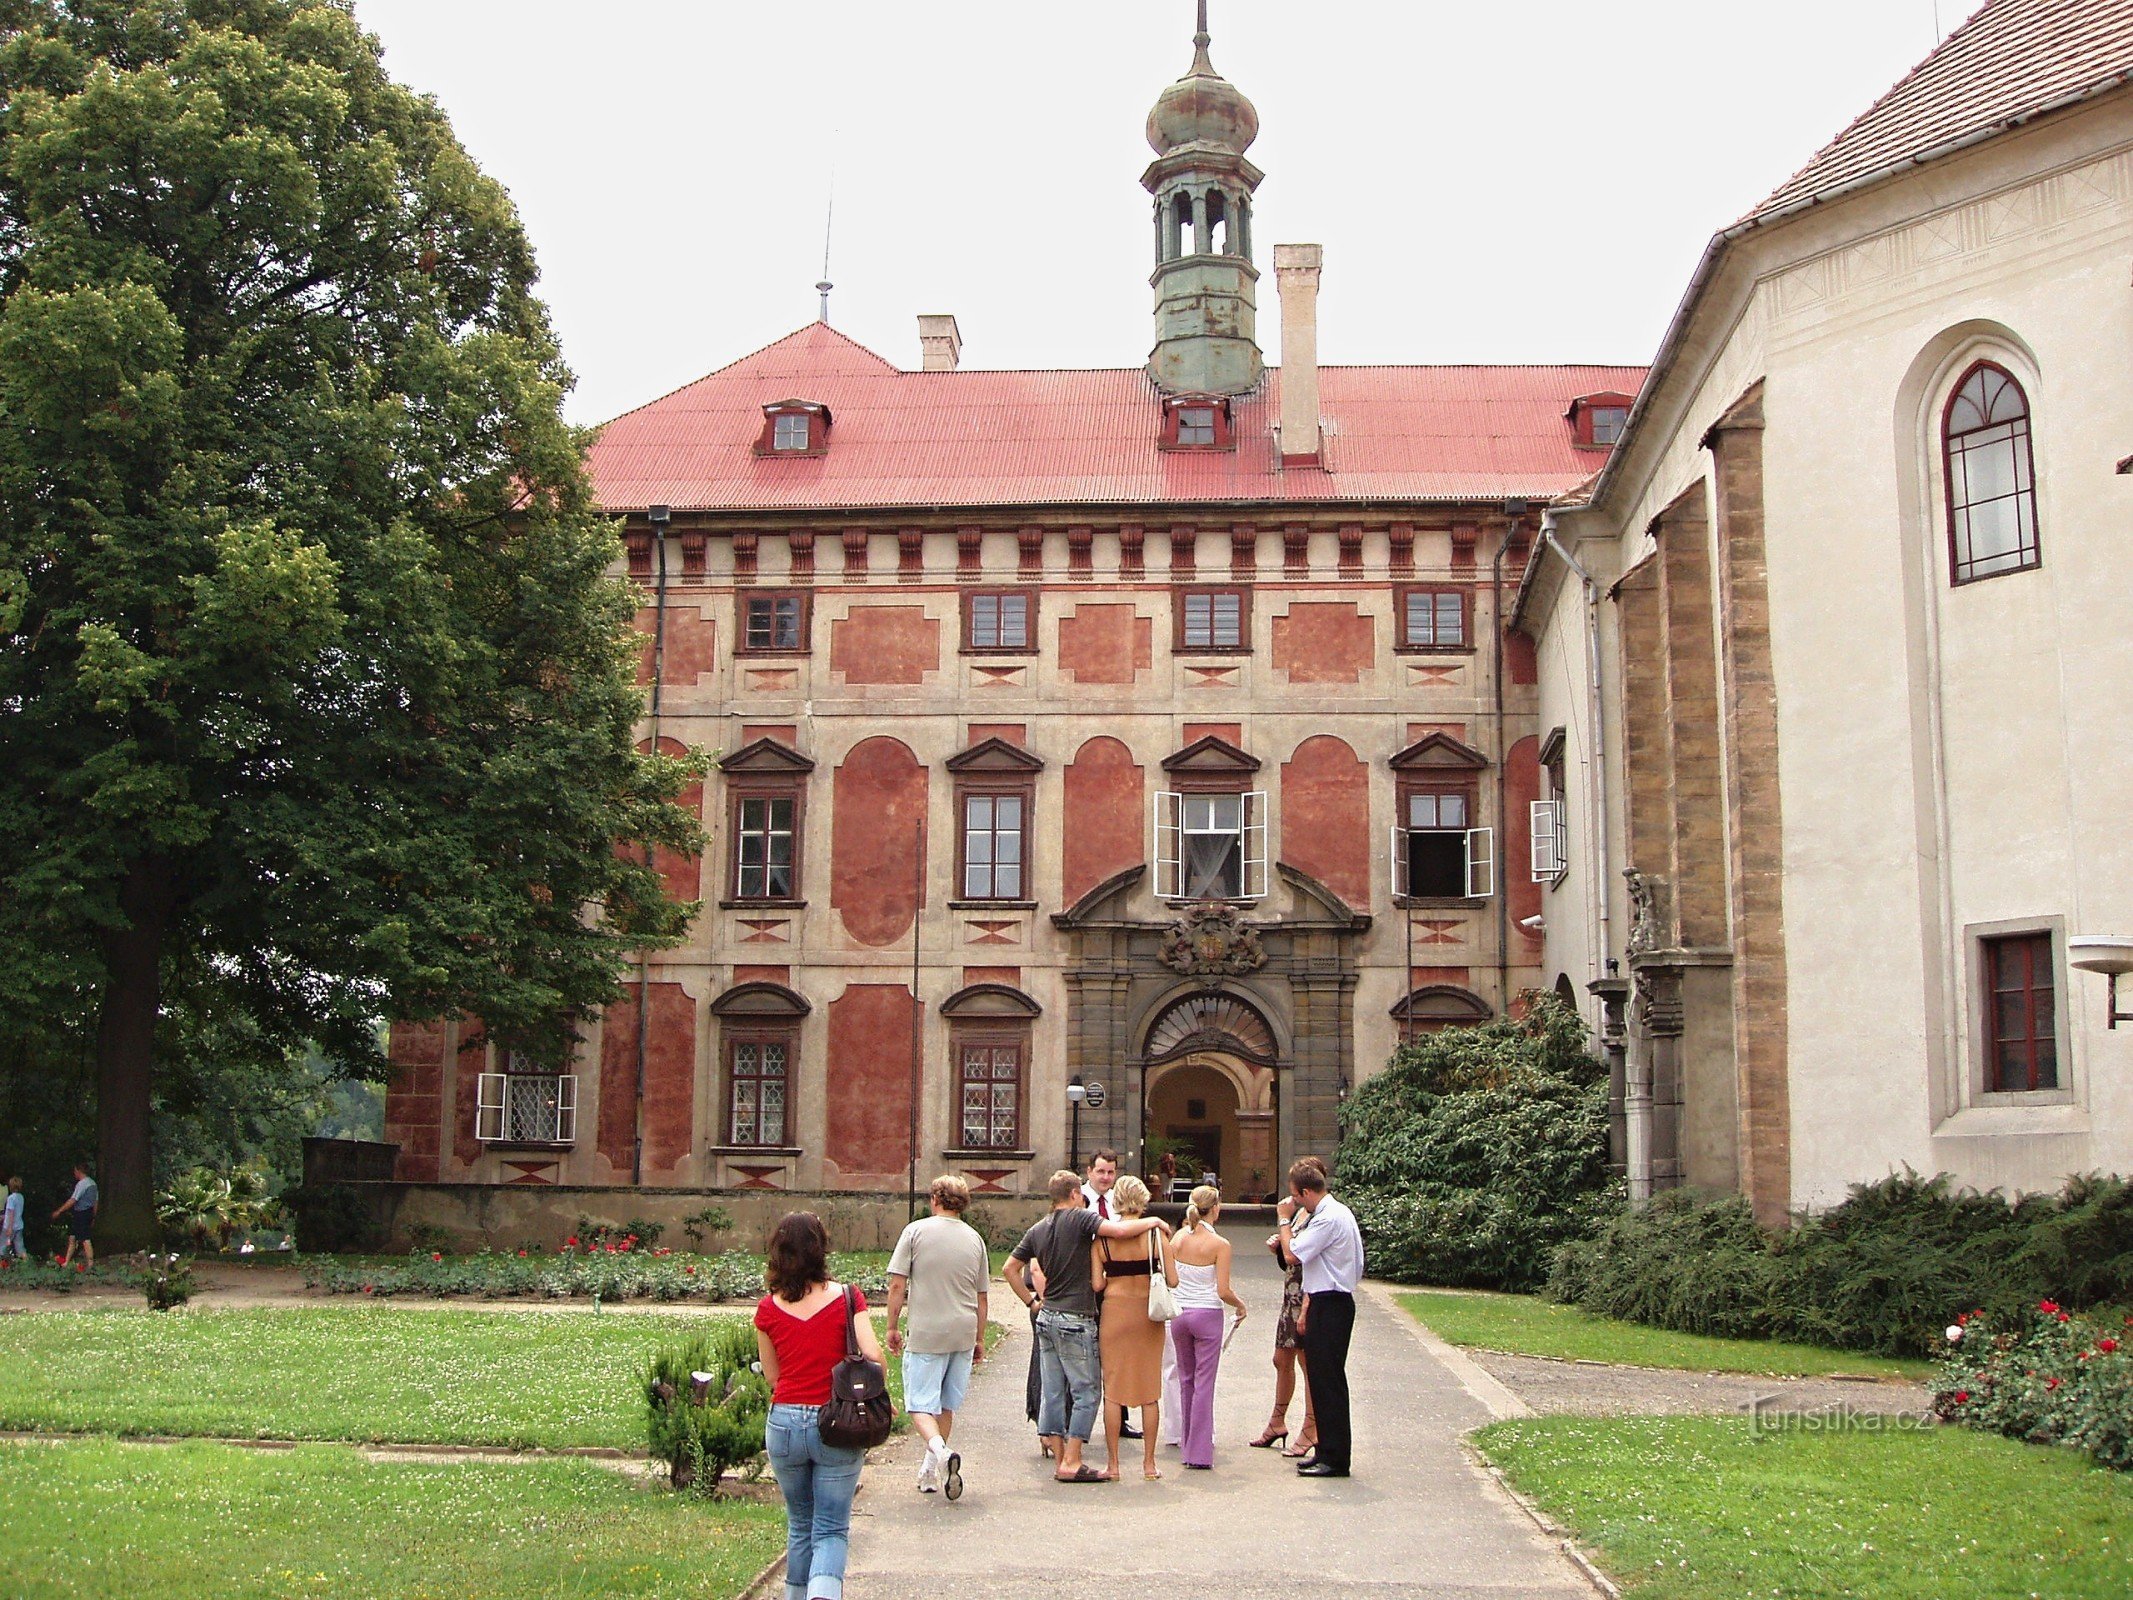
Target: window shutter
(1547, 819)
(1169, 846)
(1255, 845)
(1397, 855)
(566, 1109)
(489, 1106)
(1480, 863)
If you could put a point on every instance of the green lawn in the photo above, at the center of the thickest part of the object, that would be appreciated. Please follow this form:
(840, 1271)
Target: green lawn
(1682, 1508)
(361, 1372)
(94, 1518)
(1528, 1325)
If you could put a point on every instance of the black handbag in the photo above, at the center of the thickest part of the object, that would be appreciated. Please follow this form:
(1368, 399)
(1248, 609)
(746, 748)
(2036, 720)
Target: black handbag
(859, 1414)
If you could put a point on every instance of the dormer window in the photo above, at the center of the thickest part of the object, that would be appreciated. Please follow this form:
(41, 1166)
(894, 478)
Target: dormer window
(1196, 422)
(1598, 421)
(794, 428)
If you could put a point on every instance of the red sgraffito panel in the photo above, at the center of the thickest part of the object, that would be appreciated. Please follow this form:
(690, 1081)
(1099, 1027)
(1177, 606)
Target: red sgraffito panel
(1104, 830)
(877, 841)
(778, 975)
(1325, 817)
(868, 1115)
(691, 645)
(1014, 733)
(1105, 644)
(669, 1081)
(1521, 787)
(414, 1112)
(1448, 977)
(1324, 642)
(885, 644)
(1011, 976)
(1228, 732)
(1520, 664)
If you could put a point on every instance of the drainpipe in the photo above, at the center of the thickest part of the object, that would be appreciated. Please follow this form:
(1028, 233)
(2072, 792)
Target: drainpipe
(1597, 708)
(1513, 510)
(658, 516)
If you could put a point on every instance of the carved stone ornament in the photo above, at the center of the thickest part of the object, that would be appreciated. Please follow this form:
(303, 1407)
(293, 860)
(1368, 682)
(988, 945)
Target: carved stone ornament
(1657, 1010)
(1648, 912)
(1211, 941)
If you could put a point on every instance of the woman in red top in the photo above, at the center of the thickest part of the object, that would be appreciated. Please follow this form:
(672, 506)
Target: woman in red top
(799, 1332)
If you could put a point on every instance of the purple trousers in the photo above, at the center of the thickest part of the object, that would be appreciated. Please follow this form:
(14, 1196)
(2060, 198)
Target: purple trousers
(1197, 1338)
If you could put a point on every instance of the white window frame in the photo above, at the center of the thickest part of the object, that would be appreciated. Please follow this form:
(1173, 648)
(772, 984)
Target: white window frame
(493, 1114)
(1551, 840)
(1255, 856)
(782, 427)
(1480, 863)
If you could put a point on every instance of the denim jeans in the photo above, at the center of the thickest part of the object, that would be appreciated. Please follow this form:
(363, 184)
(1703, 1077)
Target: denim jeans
(818, 1481)
(1073, 1375)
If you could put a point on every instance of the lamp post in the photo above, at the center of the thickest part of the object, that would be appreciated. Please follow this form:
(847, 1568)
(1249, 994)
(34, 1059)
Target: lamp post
(2109, 954)
(1077, 1096)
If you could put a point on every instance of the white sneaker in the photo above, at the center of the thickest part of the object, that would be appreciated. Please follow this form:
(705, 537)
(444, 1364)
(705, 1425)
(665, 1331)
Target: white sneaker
(929, 1474)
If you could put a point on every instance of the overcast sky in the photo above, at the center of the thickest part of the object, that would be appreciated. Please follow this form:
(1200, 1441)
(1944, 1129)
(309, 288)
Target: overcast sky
(1523, 181)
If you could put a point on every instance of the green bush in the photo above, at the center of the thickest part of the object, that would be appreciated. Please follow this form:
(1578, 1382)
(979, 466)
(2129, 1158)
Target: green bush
(166, 1281)
(2046, 1375)
(605, 1274)
(705, 1406)
(204, 1209)
(1479, 1151)
(1884, 1271)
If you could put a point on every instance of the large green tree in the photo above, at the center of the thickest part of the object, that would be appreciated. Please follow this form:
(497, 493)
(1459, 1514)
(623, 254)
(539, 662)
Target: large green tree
(316, 695)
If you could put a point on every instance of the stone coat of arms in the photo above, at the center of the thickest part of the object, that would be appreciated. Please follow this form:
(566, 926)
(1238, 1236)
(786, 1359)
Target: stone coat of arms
(1211, 941)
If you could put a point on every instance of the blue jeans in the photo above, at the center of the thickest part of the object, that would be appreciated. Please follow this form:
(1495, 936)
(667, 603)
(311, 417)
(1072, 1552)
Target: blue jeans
(1072, 1374)
(818, 1481)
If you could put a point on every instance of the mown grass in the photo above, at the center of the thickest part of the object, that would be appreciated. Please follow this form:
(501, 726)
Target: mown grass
(94, 1518)
(552, 1379)
(1681, 1508)
(1528, 1325)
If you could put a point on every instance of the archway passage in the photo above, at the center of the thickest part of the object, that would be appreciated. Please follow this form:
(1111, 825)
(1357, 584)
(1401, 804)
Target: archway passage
(1221, 1108)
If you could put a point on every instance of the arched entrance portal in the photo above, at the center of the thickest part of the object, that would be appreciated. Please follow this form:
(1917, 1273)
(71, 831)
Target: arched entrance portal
(1210, 1084)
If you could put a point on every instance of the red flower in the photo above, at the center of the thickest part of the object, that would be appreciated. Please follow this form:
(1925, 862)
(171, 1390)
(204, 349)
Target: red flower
(436, 1255)
(368, 1287)
(522, 1255)
(1962, 1397)
(689, 1271)
(2066, 1316)
(2051, 1383)
(2048, 1307)
(571, 1243)
(2107, 1345)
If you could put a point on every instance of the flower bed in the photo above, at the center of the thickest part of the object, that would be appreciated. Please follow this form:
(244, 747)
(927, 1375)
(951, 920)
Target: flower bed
(618, 1270)
(2048, 1375)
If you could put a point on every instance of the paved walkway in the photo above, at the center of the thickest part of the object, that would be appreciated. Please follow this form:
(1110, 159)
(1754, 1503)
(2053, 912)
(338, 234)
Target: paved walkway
(1417, 1519)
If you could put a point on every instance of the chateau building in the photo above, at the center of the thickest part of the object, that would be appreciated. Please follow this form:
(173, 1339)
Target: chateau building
(1837, 655)
(1100, 753)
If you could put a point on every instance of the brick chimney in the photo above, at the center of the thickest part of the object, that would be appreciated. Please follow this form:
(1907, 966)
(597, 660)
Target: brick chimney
(1296, 268)
(940, 343)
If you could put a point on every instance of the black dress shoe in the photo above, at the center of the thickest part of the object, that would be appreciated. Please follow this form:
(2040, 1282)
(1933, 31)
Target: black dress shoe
(1319, 1469)
(1128, 1431)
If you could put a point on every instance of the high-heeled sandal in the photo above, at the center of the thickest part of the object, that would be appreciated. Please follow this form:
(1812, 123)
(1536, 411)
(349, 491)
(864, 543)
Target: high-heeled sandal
(1270, 1438)
(1303, 1448)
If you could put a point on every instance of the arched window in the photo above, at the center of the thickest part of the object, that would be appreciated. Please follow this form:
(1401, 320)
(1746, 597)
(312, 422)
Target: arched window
(1992, 485)
(1183, 241)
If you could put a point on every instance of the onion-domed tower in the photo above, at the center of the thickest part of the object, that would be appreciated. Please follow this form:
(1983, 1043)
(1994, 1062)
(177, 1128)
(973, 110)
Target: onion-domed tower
(1206, 308)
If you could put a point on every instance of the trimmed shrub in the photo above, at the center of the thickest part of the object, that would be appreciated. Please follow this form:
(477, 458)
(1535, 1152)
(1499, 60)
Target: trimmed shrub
(705, 1406)
(2045, 1375)
(1478, 1152)
(1884, 1271)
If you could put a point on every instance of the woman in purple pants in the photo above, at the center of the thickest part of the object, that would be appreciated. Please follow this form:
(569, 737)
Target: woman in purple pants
(1202, 1256)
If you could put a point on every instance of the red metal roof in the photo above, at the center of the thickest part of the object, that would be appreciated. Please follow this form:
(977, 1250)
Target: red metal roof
(2013, 59)
(977, 438)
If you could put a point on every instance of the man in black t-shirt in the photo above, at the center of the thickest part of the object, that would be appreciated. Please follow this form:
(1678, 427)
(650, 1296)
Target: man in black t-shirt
(1067, 1352)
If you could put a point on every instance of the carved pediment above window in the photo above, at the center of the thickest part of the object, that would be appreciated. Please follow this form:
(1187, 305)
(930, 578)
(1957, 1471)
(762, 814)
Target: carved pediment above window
(1439, 752)
(760, 1000)
(997, 1000)
(995, 755)
(1211, 757)
(768, 757)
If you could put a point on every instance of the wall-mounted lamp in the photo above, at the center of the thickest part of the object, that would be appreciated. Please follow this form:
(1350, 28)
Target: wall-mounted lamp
(2110, 954)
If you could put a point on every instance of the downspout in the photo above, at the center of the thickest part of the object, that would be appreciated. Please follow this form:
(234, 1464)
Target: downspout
(658, 516)
(1597, 708)
(1513, 510)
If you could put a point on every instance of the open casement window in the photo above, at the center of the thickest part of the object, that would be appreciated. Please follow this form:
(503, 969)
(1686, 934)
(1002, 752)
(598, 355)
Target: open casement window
(524, 1107)
(1551, 840)
(989, 1078)
(758, 1081)
(1992, 486)
(1436, 855)
(1211, 846)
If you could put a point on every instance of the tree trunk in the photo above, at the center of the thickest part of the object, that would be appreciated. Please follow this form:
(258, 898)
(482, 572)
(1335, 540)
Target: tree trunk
(125, 1058)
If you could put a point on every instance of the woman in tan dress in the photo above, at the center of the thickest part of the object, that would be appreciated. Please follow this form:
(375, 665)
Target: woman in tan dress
(1131, 1343)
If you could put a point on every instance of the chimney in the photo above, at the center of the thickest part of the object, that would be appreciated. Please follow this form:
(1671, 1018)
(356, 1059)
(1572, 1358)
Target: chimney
(1296, 269)
(940, 343)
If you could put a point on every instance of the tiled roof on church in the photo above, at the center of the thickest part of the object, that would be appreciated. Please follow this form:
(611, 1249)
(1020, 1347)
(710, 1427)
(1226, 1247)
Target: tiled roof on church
(2012, 60)
(977, 438)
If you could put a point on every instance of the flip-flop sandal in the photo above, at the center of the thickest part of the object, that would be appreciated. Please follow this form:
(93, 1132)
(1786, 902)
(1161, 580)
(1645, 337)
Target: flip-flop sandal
(1085, 1475)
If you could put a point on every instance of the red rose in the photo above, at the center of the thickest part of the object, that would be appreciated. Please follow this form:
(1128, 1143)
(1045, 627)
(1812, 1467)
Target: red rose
(436, 1255)
(522, 1255)
(2051, 1383)
(1962, 1397)
(571, 1243)
(2047, 1306)
(2107, 1345)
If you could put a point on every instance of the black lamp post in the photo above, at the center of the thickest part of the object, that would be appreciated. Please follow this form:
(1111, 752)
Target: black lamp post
(1077, 1093)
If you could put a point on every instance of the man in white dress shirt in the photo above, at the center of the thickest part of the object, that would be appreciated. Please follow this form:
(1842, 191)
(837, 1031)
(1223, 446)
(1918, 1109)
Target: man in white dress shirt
(1331, 1252)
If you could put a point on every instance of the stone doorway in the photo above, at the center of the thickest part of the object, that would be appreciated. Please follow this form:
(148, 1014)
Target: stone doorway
(1224, 1109)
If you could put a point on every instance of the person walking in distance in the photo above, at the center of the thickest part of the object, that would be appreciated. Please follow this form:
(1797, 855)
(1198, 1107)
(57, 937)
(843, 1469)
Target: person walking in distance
(942, 1265)
(1131, 1340)
(1196, 1334)
(11, 1247)
(79, 1208)
(800, 1338)
(1331, 1252)
(1066, 1319)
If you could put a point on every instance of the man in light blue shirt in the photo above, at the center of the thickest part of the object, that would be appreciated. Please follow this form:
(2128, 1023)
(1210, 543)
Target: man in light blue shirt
(1331, 1254)
(80, 1210)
